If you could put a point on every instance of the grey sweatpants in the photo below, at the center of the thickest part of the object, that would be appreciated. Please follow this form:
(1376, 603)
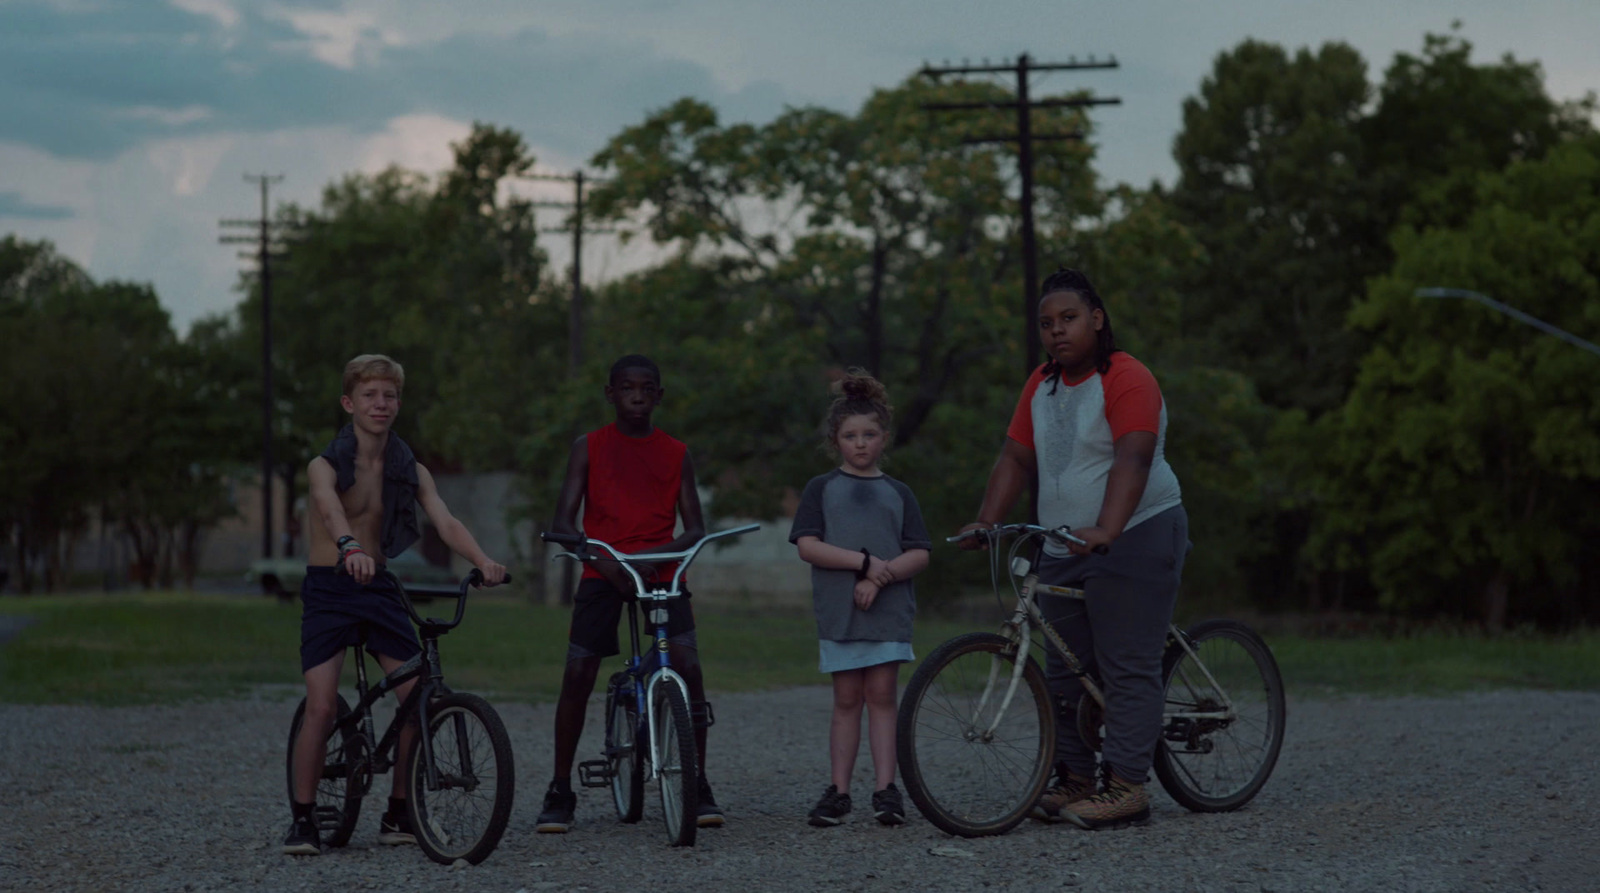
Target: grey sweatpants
(1117, 630)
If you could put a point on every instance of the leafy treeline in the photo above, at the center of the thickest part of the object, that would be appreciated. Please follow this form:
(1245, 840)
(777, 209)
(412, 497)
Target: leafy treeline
(1342, 444)
(107, 416)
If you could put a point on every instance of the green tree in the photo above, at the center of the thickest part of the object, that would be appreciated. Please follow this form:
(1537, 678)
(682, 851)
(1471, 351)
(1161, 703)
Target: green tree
(443, 276)
(1465, 465)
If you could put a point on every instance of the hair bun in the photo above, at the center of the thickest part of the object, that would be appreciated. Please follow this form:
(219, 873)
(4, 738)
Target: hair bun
(858, 385)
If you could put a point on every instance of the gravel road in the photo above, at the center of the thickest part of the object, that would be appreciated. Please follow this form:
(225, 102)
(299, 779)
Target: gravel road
(1485, 792)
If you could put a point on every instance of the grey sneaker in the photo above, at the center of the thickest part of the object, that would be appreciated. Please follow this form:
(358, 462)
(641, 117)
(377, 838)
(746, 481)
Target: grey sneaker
(831, 809)
(887, 806)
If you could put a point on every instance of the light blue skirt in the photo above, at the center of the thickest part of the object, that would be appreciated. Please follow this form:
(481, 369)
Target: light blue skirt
(858, 653)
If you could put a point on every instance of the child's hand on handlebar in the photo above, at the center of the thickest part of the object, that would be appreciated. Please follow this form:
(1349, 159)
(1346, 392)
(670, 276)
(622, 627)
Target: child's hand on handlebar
(1094, 539)
(977, 540)
(494, 573)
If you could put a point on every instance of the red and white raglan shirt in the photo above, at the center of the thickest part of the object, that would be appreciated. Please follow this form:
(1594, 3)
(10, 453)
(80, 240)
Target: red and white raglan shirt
(1071, 432)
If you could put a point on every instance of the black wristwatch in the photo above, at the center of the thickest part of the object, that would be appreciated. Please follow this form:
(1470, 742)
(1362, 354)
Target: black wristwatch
(866, 562)
(342, 541)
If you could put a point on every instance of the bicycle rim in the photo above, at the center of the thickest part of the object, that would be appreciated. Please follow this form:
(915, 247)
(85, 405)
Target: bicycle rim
(464, 817)
(973, 764)
(677, 764)
(338, 801)
(1210, 765)
(627, 767)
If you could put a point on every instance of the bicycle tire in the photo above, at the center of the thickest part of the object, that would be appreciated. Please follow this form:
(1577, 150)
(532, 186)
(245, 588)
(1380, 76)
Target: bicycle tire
(1220, 765)
(622, 751)
(677, 762)
(966, 779)
(338, 802)
(466, 815)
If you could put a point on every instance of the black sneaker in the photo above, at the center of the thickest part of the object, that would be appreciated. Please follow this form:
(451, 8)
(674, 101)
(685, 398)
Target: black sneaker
(395, 829)
(556, 816)
(710, 815)
(302, 839)
(831, 809)
(888, 807)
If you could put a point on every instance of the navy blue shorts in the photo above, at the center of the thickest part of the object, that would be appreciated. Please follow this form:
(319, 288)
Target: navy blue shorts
(335, 610)
(596, 610)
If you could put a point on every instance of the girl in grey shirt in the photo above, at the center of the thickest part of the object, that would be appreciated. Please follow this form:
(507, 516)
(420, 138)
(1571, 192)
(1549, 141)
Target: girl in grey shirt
(862, 533)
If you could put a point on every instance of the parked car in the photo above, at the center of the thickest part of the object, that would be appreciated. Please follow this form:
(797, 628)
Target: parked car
(281, 577)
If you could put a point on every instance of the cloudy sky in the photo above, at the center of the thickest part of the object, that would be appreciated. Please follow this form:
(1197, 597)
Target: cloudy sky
(127, 126)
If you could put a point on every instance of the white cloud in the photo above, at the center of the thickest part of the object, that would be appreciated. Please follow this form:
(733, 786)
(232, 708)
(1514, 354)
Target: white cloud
(187, 164)
(415, 142)
(172, 117)
(219, 10)
(341, 39)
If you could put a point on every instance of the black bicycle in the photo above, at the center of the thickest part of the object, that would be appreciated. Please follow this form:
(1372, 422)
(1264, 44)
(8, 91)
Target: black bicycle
(461, 781)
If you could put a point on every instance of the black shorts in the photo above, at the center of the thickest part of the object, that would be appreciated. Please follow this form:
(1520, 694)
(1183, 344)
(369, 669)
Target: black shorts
(335, 610)
(597, 609)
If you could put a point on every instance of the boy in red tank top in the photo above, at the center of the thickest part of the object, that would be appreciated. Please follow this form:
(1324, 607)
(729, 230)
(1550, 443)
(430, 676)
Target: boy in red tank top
(634, 483)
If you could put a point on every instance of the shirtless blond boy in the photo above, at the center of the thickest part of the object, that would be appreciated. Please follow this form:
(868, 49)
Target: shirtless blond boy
(366, 488)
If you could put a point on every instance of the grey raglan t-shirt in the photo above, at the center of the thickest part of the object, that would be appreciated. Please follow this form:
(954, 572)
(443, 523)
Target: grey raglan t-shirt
(878, 514)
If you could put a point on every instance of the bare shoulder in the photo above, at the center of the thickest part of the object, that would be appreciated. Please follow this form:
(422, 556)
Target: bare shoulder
(320, 469)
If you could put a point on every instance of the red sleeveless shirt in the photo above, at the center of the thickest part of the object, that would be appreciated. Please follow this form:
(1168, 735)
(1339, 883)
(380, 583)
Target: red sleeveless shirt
(631, 497)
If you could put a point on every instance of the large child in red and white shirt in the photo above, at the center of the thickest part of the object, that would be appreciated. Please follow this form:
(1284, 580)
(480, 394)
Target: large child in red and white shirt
(634, 483)
(1091, 424)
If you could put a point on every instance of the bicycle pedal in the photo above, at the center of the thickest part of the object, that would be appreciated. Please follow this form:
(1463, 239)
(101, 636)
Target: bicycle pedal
(594, 773)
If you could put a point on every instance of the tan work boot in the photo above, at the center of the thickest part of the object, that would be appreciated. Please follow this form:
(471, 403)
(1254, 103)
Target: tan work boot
(1120, 804)
(1067, 790)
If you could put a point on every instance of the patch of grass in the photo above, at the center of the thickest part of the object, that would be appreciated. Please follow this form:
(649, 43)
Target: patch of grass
(1437, 663)
(166, 647)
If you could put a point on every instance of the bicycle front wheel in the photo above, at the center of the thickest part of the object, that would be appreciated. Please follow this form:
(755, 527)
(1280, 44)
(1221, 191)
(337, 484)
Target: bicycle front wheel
(622, 751)
(464, 816)
(1219, 740)
(974, 748)
(677, 762)
(341, 787)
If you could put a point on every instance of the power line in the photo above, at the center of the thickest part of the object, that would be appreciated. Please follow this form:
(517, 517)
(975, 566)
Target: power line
(1024, 138)
(263, 257)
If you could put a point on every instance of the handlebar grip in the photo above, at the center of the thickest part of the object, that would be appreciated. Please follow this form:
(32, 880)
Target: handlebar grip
(475, 578)
(564, 539)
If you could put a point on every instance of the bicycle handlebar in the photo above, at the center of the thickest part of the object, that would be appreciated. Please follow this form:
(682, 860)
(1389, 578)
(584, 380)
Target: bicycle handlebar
(579, 551)
(1062, 534)
(475, 578)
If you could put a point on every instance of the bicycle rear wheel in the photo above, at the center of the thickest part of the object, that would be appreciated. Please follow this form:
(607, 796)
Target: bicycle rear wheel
(464, 817)
(975, 751)
(622, 751)
(341, 787)
(677, 762)
(1219, 742)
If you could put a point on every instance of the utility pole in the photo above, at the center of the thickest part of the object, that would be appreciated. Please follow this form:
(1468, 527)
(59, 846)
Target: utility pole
(1024, 138)
(575, 304)
(263, 257)
(576, 227)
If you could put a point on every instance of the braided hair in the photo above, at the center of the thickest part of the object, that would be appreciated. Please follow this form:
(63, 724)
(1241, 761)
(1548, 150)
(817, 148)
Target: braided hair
(857, 393)
(1064, 279)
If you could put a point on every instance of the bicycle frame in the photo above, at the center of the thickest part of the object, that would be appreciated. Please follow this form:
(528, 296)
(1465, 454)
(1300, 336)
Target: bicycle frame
(646, 684)
(424, 666)
(1027, 615)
